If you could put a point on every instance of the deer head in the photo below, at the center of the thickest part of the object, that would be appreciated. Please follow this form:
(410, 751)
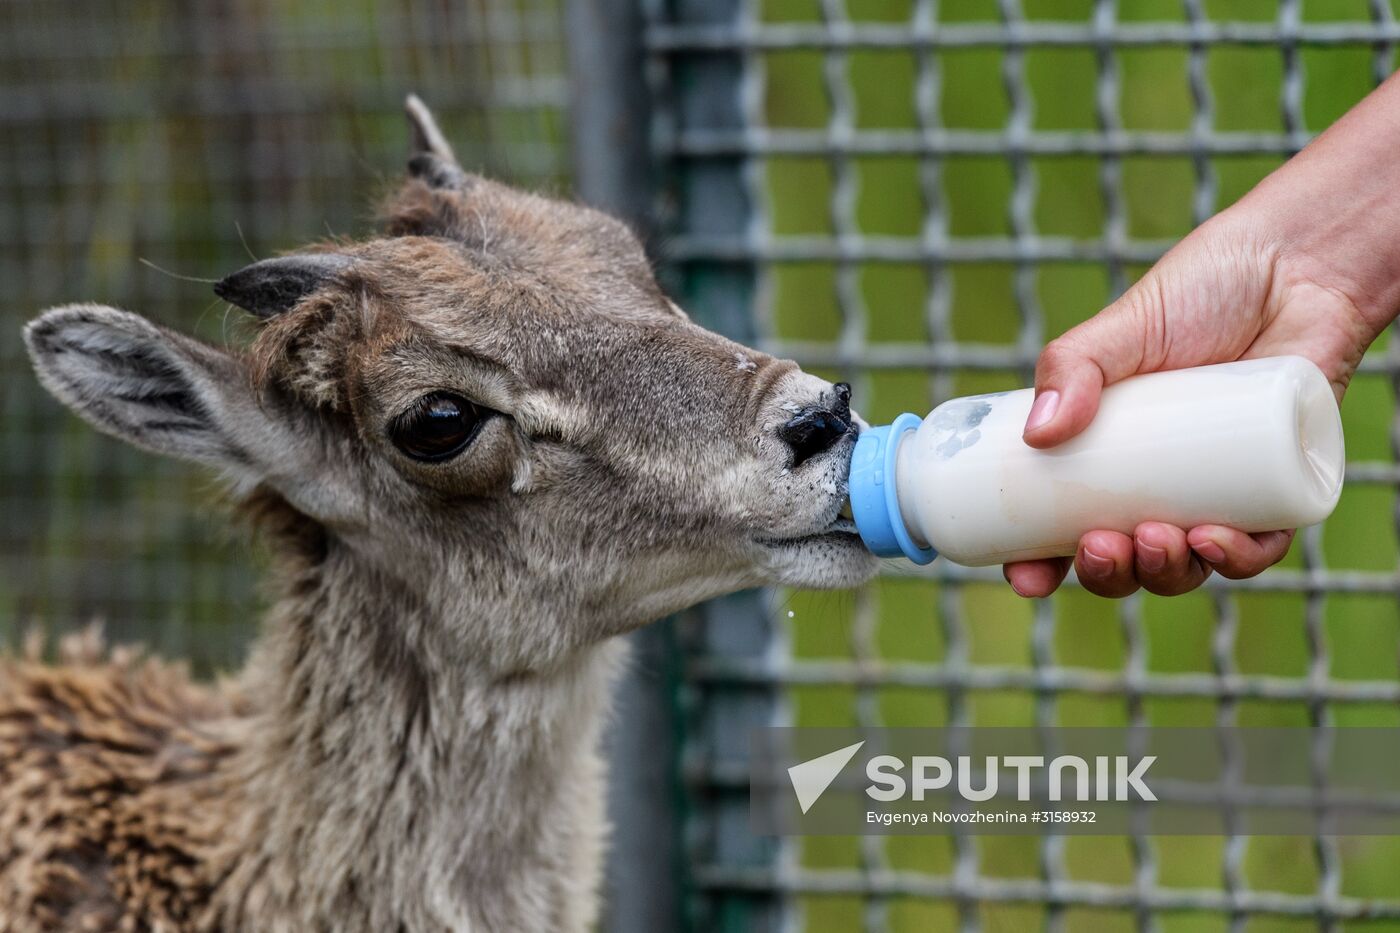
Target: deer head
(494, 406)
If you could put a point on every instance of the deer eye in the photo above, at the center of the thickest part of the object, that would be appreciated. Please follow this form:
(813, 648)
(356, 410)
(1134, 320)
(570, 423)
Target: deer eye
(437, 427)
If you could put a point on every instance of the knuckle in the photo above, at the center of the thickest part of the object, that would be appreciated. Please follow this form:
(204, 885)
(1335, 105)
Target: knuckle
(1056, 357)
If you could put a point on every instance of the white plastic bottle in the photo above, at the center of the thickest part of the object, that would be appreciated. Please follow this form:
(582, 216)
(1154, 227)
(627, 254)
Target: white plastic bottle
(1255, 445)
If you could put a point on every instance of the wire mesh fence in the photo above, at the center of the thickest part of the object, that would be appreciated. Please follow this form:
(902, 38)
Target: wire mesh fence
(912, 196)
(192, 137)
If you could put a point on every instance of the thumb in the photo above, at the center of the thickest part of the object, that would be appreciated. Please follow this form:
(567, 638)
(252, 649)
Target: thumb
(1073, 369)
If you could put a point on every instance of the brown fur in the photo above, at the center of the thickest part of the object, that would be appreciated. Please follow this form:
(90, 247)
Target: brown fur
(112, 802)
(413, 743)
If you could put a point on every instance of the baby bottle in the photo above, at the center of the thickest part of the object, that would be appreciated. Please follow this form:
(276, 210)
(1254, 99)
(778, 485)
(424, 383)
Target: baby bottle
(1254, 444)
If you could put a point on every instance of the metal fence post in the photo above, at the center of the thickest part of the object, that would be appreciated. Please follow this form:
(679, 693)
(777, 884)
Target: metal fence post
(719, 200)
(613, 113)
(610, 111)
(610, 116)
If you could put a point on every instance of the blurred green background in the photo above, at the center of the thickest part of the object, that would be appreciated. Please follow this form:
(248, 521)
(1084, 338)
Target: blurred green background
(196, 136)
(146, 145)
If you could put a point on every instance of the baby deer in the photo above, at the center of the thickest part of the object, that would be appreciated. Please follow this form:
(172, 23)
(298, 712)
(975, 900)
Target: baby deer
(485, 445)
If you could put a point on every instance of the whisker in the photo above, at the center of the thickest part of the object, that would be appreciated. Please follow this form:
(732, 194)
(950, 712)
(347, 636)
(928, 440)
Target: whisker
(244, 241)
(199, 321)
(175, 275)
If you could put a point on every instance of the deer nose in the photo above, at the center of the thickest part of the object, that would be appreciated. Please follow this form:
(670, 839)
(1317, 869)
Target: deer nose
(817, 427)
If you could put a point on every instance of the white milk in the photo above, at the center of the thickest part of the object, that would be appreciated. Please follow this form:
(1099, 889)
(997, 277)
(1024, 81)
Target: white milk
(1255, 445)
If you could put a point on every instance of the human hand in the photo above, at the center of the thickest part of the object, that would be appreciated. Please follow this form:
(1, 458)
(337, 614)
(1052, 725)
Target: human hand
(1226, 292)
(1308, 263)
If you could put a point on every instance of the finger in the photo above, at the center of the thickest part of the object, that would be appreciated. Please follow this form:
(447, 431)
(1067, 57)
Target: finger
(1036, 578)
(1073, 369)
(1165, 563)
(1104, 564)
(1238, 555)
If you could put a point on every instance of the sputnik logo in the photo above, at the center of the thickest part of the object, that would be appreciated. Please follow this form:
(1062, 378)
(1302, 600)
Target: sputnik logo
(810, 779)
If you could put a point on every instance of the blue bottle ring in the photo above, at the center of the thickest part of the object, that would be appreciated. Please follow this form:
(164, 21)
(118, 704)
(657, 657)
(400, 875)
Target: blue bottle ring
(874, 496)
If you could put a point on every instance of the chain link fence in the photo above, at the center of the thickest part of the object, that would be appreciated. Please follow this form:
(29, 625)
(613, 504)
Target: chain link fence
(912, 196)
(146, 145)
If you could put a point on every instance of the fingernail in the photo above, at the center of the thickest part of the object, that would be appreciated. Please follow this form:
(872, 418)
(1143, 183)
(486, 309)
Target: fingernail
(1043, 410)
(1152, 558)
(1210, 551)
(1096, 564)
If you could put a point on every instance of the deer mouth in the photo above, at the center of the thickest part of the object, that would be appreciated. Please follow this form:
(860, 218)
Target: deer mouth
(844, 523)
(831, 555)
(841, 528)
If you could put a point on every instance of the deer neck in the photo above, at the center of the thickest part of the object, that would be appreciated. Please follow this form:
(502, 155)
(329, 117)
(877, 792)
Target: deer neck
(387, 785)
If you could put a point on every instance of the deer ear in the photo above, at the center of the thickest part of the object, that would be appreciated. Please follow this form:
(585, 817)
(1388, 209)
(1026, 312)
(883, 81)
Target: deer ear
(273, 286)
(153, 388)
(430, 155)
